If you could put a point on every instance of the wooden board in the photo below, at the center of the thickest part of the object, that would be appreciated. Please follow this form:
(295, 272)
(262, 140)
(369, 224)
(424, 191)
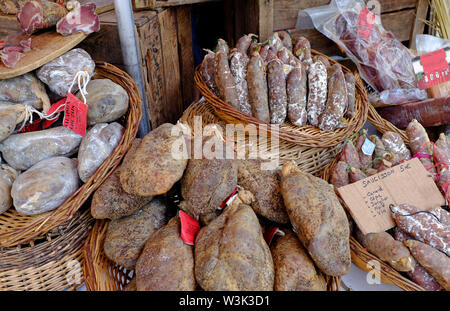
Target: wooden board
(46, 46)
(419, 25)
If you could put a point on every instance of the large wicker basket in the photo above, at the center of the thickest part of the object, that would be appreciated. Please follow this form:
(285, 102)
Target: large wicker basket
(18, 229)
(360, 255)
(101, 274)
(306, 136)
(52, 263)
(383, 125)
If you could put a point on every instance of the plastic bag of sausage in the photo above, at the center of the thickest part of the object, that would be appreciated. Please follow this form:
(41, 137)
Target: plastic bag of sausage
(382, 60)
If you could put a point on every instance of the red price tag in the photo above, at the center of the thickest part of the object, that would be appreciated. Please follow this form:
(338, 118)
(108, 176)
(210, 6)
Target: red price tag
(366, 22)
(229, 199)
(55, 108)
(75, 115)
(189, 228)
(2, 44)
(34, 126)
(436, 69)
(270, 233)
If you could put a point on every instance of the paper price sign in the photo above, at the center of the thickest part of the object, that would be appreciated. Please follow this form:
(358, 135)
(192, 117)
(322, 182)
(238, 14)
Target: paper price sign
(433, 68)
(368, 200)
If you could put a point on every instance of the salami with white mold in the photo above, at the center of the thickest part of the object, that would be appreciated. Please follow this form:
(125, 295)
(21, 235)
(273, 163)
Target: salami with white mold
(257, 88)
(296, 89)
(317, 97)
(224, 79)
(238, 66)
(207, 71)
(244, 43)
(351, 97)
(277, 92)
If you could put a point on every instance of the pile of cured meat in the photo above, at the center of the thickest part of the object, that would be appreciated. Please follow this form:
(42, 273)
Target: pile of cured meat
(69, 17)
(419, 246)
(235, 248)
(279, 80)
(44, 163)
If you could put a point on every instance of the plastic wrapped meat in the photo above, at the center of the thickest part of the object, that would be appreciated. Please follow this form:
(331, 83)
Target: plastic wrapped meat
(107, 101)
(96, 147)
(40, 14)
(26, 90)
(7, 177)
(59, 73)
(45, 186)
(22, 151)
(81, 18)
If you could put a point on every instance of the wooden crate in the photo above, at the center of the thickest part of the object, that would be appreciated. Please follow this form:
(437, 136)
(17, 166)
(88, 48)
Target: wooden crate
(165, 44)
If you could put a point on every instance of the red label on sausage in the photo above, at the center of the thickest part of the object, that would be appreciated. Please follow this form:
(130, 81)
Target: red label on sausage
(55, 109)
(2, 44)
(189, 228)
(75, 115)
(229, 199)
(271, 232)
(436, 69)
(366, 21)
(34, 126)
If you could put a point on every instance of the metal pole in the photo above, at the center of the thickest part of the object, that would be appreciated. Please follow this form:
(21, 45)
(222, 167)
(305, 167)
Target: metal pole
(131, 56)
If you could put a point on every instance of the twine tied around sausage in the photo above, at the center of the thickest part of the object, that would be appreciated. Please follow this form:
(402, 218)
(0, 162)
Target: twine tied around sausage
(82, 77)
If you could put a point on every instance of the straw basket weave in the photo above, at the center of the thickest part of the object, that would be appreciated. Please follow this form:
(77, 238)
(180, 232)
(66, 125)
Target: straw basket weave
(101, 274)
(18, 229)
(363, 259)
(306, 136)
(53, 263)
(383, 125)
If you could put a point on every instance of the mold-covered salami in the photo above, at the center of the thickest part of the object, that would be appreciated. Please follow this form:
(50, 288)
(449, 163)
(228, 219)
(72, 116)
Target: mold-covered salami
(222, 45)
(337, 100)
(207, 71)
(420, 143)
(302, 50)
(351, 97)
(277, 92)
(322, 59)
(423, 226)
(224, 79)
(395, 144)
(317, 97)
(296, 94)
(286, 39)
(238, 66)
(244, 43)
(257, 88)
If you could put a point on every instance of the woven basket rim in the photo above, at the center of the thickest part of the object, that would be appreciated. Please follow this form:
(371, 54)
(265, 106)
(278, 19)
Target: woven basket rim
(306, 135)
(48, 264)
(21, 229)
(361, 256)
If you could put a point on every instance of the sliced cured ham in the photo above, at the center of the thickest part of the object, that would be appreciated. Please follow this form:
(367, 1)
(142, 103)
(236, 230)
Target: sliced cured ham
(82, 18)
(26, 45)
(10, 55)
(40, 14)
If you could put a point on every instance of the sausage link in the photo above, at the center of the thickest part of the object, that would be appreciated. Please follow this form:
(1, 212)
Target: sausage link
(224, 79)
(296, 93)
(277, 92)
(257, 88)
(317, 80)
(238, 66)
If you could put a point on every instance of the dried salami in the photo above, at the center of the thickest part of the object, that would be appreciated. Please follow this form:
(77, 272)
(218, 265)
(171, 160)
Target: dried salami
(302, 50)
(420, 144)
(351, 95)
(238, 66)
(364, 159)
(395, 144)
(339, 176)
(244, 43)
(286, 39)
(257, 88)
(296, 89)
(277, 92)
(224, 79)
(317, 97)
(207, 71)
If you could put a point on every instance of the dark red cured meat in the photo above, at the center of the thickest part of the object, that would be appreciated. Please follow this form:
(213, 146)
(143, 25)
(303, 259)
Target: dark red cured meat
(26, 45)
(80, 19)
(40, 14)
(11, 55)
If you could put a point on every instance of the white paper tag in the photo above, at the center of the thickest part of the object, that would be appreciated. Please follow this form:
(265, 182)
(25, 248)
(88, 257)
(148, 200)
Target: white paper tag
(368, 147)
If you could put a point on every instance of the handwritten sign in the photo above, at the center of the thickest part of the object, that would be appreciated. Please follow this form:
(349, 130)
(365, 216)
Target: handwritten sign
(368, 200)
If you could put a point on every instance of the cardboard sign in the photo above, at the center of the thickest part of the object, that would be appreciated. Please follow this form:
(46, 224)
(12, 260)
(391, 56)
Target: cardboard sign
(368, 200)
(432, 68)
(366, 23)
(75, 115)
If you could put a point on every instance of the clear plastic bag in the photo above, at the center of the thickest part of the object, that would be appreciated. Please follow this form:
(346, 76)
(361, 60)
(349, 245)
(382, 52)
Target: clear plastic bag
(382, 60)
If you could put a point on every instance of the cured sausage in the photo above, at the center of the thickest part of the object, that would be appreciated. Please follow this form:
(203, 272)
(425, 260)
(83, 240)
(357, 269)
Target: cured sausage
(317, 97)
(277, 92)
(296, 89)
(257, 88)
(238, 66)
(224, 79)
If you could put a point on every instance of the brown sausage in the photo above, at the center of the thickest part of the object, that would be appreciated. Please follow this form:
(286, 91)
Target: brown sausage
(302, 50)
(317, 81)
(257, 88)
(238, 66)
(277, 92)
(339, 176)
(222, 45)
(364, 159)
(323, 59)
(395, 144)
(296, 92)
(351, 89)
(337, 100)
(244, 42)
(356, 175)
(350, 156)
(224, 79)
(420, 143)
(285, 38)
(207, 71)
(380, 153)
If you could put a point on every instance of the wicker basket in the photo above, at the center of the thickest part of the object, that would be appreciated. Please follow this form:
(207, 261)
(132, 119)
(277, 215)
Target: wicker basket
(306, 136)
(53, 263)
(383, 125)
(101, 274)
(360, 255)
(18, 229)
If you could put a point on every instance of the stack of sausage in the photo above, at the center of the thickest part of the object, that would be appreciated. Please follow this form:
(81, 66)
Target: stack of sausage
(230, 251)
(279, 80)
(420, 244)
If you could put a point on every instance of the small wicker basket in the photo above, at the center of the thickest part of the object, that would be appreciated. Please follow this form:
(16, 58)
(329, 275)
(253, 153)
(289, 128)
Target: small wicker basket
(53, 263)
(101, 274)
(361, 256)
(306, 136)
(18, 229)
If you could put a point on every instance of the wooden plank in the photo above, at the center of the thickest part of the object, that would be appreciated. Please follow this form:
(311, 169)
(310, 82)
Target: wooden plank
(153, 71)
(419, 25)
(286, 11)
(102, 5)
(46, 46)
(143, 4)
(169, 44)
(399, 23)
(170, 3)
(265, 10)
(253, 16)
(318, 41)
(186, 54)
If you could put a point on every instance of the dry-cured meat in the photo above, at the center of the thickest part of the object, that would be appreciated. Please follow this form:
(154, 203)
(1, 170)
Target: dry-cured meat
(317, 96)
(420, 144)
(394, 143)
(351, 95)
(339, 175)
(40, 14)
(296, 89)
(224, 79)
(257, 88)
(277, 92)
(238, 66)
(7, 177)
(81, 18)
(207, 71)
